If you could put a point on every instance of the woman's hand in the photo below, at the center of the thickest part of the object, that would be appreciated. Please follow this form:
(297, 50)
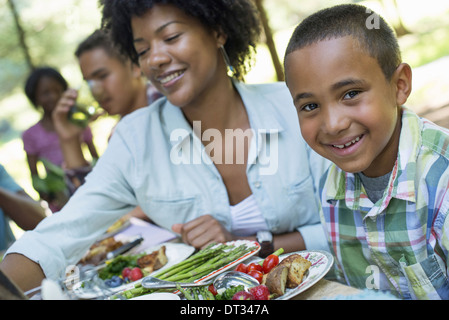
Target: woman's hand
(202, 231)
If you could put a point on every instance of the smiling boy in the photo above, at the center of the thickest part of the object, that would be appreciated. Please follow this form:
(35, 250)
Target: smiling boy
(385, 199)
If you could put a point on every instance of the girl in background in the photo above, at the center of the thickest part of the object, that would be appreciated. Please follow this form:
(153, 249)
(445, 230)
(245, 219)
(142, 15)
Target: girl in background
(44, 88)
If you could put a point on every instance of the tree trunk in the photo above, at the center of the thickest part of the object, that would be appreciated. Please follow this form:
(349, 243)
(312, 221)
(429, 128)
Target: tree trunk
(269, 40)
(21, 34)
(401, 30)
(398, 26)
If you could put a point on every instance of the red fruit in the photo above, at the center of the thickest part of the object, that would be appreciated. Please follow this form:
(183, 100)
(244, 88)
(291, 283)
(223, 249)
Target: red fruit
(242, 268)
(212, 289)
(242, 295)
(270, 262)
(125, 272)
(135, 274)
(260, 292)
(254, 266)
(258, 275)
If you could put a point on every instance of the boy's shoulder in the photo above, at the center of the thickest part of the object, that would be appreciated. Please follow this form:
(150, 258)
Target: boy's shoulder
(435, 138)
(422, 135)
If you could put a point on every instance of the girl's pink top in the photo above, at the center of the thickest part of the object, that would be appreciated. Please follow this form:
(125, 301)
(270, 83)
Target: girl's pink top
(44, 144)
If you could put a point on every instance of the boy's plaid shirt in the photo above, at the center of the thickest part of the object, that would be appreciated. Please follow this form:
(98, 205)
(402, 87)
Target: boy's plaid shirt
(399, 244)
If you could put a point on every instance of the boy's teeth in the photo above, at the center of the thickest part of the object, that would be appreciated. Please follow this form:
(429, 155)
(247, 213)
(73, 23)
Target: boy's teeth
(341, 146)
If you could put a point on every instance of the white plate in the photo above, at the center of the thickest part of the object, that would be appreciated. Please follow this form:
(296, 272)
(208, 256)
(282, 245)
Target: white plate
(158, 296)
(321, 263)
(175, 252)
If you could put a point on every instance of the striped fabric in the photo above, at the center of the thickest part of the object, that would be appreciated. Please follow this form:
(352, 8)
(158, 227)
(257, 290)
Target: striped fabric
(399, 244)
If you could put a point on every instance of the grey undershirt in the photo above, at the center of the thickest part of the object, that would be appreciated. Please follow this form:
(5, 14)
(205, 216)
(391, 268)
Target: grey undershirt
(375, 187)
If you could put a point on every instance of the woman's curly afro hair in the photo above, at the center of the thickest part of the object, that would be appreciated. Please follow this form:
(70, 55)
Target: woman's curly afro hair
(238, 19)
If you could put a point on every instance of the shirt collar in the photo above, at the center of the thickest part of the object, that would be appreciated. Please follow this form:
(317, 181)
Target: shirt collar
(255, 101)
(410, 144)
(340, 185)
(261, 121)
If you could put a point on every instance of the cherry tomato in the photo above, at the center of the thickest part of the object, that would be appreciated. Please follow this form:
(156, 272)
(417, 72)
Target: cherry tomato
(270, 262)
(212, 289)
(258, 275)
(125, 272)
(254, 266)
(135, 274)
(242, 268)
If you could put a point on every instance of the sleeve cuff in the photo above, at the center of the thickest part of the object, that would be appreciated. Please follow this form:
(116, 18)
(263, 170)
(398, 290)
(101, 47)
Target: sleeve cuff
(23, 247)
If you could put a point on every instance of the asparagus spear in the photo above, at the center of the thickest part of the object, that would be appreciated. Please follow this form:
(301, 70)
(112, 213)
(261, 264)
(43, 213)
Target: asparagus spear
(184, 292)
(195, 267)
(211, 265)
(200, 256)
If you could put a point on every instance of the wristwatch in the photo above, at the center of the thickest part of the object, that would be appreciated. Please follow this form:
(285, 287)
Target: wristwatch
(265, 239)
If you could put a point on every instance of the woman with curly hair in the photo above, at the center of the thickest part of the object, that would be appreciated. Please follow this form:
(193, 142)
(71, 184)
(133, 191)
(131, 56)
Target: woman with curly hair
(214, 160)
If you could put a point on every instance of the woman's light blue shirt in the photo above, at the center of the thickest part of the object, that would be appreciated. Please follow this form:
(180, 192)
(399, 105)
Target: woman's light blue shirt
(155, 161)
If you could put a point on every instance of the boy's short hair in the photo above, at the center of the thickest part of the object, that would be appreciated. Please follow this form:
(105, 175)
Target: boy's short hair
(100, 39)
(36, 75)
(371, 31)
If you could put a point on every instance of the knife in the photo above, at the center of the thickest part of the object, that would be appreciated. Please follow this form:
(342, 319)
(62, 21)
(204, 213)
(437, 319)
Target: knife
(124, 248)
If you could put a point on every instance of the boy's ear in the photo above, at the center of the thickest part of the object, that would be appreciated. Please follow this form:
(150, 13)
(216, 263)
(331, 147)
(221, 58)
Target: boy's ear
(402, 80)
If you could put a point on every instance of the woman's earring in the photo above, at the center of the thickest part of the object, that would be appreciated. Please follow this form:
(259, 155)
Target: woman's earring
(230, 68)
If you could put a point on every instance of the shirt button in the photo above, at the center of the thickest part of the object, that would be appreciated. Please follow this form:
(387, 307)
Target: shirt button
(257, 184)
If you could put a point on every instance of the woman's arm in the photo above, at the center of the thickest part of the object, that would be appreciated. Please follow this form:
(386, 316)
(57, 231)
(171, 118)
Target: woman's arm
(61, 239)
(204, 230)
(15, 266)
(290, 242)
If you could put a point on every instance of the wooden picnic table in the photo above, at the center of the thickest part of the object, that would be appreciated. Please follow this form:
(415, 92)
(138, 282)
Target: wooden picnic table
(326, 289)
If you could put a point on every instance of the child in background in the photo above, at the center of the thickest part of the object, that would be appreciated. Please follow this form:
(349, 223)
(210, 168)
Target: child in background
(385, 201)
(120, 89)
(44, 87)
